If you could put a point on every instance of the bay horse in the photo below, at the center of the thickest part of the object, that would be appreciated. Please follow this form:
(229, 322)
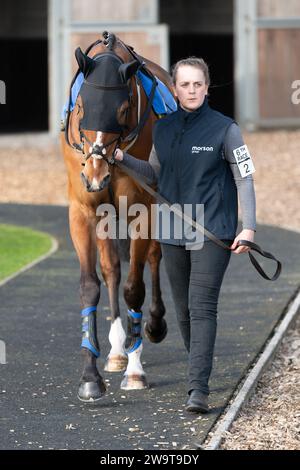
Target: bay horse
(111, 110)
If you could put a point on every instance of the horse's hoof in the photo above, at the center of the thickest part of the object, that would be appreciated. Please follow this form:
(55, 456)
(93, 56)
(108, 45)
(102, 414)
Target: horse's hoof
(91, 392)
(116, 363)
(156, 336)
(134, 382)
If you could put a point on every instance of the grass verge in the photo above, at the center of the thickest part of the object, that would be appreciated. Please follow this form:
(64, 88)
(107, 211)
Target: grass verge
(20, 246)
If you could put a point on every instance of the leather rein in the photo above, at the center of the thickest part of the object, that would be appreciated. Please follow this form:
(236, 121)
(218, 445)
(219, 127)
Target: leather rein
(253, 246)
(96, 149)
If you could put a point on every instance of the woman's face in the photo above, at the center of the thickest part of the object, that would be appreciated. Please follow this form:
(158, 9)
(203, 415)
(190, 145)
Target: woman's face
(190, 87)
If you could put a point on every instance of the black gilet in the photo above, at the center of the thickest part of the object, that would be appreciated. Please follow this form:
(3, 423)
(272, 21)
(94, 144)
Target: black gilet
(190, 148)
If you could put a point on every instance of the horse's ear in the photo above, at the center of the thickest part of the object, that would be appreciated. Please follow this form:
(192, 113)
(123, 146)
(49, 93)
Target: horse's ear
(127, 70)
(85, 62)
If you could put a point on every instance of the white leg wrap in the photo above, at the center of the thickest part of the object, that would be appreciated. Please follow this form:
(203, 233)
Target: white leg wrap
(117, 338)
(134, 366)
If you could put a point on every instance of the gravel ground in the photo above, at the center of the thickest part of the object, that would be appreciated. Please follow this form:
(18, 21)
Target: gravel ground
(271, 420)
(32, 171)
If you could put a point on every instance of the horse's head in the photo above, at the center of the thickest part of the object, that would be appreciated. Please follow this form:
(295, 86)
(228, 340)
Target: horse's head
(105, 95)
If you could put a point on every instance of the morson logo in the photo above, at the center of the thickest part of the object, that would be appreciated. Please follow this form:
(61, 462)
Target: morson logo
(202, 149)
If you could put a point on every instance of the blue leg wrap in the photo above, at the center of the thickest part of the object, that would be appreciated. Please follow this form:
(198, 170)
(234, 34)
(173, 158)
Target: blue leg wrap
(134, 338)
(89, 330)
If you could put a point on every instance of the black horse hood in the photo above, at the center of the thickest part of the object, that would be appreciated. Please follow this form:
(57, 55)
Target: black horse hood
(103, 90)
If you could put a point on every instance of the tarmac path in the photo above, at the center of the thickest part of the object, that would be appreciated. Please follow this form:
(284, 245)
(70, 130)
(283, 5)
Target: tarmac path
(41, 327)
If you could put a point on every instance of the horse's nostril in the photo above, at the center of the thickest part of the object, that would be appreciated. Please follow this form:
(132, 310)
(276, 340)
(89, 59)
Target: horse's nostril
(84, 180)
(105, 181)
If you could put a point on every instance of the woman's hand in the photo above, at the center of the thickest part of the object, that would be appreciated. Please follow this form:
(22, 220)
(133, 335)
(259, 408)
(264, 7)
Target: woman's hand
(118, 155)
(245, 234)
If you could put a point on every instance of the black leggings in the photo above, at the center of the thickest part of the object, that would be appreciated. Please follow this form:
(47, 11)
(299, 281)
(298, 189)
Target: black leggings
(196, 277)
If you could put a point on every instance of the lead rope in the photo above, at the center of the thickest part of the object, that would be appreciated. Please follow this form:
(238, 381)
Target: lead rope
(203, 230)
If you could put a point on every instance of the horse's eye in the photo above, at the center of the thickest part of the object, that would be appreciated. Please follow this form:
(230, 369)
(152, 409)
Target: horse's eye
(122, 113)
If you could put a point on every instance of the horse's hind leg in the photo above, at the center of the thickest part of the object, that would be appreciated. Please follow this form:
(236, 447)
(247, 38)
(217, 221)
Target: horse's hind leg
(156, 327)
(83, 233)
(111, 272)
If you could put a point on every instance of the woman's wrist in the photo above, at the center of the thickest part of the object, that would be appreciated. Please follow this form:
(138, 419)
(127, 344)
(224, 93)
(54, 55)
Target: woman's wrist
(118, 155)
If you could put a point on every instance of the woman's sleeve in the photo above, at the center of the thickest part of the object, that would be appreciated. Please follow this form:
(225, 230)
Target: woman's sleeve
(245, 186)
(148, 169)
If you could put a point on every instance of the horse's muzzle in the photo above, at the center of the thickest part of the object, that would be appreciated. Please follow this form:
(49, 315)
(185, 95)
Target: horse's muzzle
(92, 188)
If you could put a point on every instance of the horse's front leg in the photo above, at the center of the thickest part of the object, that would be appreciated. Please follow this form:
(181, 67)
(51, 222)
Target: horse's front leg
(156, 327)
(83, 233)
(111, 272)
(134, 294)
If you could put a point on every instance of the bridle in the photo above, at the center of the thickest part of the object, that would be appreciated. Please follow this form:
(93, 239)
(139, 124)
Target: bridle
(99, 151)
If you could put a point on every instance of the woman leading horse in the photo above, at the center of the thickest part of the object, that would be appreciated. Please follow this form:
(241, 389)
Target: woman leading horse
(111, 110)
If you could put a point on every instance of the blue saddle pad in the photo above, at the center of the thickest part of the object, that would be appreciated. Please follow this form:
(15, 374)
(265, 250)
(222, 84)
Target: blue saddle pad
(163, 102)
(74, 94)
